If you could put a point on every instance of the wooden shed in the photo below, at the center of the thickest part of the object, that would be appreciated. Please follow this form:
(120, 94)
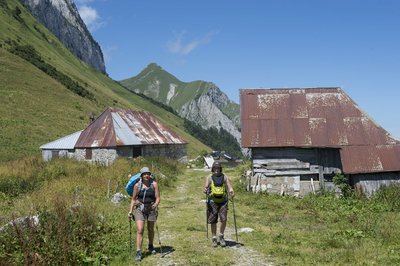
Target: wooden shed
(300, 138)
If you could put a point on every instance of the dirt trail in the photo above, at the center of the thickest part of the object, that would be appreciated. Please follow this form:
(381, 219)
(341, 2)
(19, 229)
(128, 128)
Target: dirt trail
(182, 229)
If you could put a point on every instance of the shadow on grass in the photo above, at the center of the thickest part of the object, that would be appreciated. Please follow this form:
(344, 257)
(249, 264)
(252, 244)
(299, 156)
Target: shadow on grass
(231, 243)
(162, 251)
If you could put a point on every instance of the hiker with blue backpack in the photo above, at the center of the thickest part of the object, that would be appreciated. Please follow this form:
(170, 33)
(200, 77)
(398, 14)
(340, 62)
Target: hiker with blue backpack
(144, 203)
(217, 186)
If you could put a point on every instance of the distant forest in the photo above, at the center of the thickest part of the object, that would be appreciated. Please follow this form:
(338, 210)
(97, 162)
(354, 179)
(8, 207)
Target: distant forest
(220, 140)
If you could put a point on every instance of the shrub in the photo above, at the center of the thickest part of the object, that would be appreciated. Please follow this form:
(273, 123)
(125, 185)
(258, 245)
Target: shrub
(389, 196)
(342, 182)
(63, 236)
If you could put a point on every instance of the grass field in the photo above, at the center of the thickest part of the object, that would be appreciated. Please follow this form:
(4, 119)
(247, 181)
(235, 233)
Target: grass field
(315, 230)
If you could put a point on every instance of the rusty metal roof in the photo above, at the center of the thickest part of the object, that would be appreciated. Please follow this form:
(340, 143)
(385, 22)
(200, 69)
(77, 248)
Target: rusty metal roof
(315, 118)
(119, 127)
(370, 158)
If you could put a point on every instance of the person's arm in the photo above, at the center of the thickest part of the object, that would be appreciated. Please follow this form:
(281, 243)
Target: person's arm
(206, 185)
(133, 201)
(157, 192)
(230, 188)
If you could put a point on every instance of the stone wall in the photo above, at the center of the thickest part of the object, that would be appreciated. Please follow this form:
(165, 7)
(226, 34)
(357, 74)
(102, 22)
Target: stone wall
(101, 156)
(107, 156)
(177, 151)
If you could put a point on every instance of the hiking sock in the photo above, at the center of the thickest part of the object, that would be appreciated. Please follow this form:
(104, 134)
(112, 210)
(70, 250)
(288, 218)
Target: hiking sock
(138, 255)
(214, 241)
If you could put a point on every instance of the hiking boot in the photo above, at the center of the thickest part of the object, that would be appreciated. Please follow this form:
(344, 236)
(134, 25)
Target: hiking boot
(138, 256)
(222, 241)
(214, 242)
(152, 250)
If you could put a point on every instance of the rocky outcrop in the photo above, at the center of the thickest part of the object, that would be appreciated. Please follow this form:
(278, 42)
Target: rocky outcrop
(62, 18)
(206, 110)
(222, 101)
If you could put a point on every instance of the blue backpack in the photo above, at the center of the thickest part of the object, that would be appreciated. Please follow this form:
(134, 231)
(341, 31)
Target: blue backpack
(131, 183)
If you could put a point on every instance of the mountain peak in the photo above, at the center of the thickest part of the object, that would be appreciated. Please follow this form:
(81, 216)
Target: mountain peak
(153, 66)
(194, 100)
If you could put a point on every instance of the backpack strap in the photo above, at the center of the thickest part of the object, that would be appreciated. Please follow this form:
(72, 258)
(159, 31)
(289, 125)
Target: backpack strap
(210, 179)
(140, 186)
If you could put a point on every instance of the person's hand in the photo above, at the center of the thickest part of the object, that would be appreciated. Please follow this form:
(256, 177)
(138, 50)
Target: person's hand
(154, 206)
(232, 193)
(130, 215)
(205, 190)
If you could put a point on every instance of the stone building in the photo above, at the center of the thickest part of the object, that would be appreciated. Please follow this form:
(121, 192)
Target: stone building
(115, 133)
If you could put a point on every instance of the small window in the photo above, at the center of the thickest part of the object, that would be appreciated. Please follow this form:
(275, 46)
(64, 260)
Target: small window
(54, 154)
(88, 154)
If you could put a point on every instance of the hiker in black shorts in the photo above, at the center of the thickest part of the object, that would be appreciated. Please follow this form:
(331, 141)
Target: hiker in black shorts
(145, 199)
(217, 186)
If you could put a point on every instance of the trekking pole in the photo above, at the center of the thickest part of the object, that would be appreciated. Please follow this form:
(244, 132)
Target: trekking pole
(234, 220)
(207, 213)
(130, 233)
(158, 234)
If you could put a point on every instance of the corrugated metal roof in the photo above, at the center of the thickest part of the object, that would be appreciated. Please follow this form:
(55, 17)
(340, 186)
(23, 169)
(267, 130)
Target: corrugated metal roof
(316, 117)
(119, 127)
(100, 133)
(64, 143)
(123, 132)
(370, 159)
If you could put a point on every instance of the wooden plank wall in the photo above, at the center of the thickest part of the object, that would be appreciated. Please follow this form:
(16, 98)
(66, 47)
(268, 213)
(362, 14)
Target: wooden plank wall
(295, 171)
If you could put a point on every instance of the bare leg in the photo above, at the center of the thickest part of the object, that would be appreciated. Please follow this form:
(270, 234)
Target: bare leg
(222, 227)
(139, 234)
(214, 229)
(150, 230)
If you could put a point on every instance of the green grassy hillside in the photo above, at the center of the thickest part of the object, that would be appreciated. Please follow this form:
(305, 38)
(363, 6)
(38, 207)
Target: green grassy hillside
(36, 107)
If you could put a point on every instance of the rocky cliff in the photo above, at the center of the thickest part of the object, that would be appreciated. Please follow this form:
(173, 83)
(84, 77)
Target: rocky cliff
(207, 110)
(62, 18)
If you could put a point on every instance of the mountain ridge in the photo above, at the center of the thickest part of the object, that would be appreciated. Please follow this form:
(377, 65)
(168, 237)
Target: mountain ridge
(62, 18)
(198, 101)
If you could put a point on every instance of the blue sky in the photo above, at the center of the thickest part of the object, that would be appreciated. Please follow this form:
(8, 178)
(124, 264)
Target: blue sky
(241, 44)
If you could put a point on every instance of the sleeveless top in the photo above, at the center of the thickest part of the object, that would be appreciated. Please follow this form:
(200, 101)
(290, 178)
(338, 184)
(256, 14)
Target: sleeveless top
(146, 195)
